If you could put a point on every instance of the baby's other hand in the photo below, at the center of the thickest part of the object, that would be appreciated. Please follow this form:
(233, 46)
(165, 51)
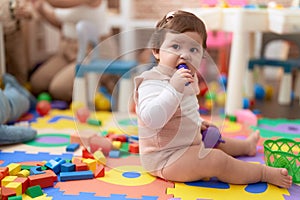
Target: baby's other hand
(205, 125)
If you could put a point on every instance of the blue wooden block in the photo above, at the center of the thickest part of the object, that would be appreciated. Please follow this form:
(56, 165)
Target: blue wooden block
(72, 147)
(67, 167)
(76, 175)
(53, 165)
(114, 154)
(36, 170)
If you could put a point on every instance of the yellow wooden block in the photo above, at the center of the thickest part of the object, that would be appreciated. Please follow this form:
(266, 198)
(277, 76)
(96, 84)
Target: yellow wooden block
(100, 157)
(14, 168)
(15, 186)
(23, 173)
(91, 164)
(7, 179)
(116, 144)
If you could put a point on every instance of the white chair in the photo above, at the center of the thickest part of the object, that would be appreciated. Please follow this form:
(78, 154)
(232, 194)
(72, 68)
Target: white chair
(84, 88)
(285, 89)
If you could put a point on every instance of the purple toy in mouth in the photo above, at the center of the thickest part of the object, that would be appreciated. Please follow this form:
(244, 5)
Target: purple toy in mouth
(185, 67)
(182, 66)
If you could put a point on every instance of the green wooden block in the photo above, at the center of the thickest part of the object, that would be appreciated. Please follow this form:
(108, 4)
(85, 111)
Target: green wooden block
(19, 197)
(94, 122)
(34, 191)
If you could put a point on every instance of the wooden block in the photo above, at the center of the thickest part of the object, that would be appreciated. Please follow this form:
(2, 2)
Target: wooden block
(34, 191)
(7, 179)
(24, 182)
(72, 147)
(77, 175)
(44, 180)
(14, 168)
(100, 157)
(16, 187)
(99, 172)
(81, 167)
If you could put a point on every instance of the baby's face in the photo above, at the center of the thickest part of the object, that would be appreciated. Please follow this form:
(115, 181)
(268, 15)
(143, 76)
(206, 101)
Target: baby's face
(181, 48)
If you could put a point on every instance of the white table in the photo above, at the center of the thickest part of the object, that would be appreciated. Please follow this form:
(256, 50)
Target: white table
(243, 23)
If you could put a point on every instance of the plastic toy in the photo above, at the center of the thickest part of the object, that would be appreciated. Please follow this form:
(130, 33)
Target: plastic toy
(60, 105)
(211, 137)
(185, 67)
(259, 92)
(82, 114)
(43, 107)
(283, 153)
(44, 96)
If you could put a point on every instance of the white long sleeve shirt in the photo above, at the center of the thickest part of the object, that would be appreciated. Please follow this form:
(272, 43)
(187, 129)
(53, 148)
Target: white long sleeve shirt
(168, 120)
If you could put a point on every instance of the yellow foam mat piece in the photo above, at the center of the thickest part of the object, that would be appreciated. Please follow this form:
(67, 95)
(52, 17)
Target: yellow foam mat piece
(186, 192)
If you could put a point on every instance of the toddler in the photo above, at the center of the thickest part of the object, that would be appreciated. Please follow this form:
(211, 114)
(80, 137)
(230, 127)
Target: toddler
(170, 126)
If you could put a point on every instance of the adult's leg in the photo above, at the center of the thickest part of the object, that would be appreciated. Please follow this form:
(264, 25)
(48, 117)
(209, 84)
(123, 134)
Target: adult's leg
(18, 103)
(61, 86)
(5, 108)
(196, 164)
(42, 77)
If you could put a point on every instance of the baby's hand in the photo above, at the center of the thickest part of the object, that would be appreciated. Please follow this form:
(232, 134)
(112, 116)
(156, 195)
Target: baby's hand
(180, 78)
(205, 125)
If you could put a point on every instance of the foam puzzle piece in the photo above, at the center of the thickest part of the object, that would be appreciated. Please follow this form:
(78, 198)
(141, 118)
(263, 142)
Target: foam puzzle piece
(57, 194)
(195, 191)
(21, 156)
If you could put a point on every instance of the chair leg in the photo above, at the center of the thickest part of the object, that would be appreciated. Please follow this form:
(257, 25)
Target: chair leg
(297, 85)
(249, 85)
(284, 96)
(92, 85)
(79, 91)
(125, 92)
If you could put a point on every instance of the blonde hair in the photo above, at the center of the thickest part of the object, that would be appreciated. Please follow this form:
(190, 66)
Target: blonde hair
(177, 22)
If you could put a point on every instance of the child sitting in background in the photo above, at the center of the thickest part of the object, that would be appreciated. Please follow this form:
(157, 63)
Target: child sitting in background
(14, 102)
(169, 123)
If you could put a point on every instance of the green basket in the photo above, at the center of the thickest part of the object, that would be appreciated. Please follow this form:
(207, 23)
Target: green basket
(284, 153)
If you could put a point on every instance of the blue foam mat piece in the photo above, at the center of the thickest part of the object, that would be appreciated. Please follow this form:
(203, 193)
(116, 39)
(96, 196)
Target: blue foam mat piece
(58, 195)
(21, 156)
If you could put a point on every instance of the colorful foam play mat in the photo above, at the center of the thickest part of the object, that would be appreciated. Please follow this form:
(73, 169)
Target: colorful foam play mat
(117, 174)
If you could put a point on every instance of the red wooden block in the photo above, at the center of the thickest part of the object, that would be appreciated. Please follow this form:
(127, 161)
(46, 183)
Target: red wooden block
(44, 180)
(24, 181)
(99, 172)
(81, 167)
(121, 138)
(87, 154)
(3, 172)
(7, 192)
(134, 148)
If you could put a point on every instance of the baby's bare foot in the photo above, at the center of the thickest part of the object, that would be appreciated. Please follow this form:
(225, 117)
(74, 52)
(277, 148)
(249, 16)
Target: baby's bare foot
(277, 176)
(252, 141)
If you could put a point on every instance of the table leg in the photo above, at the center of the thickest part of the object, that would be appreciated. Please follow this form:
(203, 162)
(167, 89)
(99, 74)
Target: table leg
(237, 71)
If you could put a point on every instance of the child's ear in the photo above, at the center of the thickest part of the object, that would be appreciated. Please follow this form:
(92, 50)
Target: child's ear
(155, 53)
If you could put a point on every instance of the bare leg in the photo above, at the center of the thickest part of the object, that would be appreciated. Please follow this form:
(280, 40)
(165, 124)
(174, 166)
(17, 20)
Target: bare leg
(235, 147)
(216, 163)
